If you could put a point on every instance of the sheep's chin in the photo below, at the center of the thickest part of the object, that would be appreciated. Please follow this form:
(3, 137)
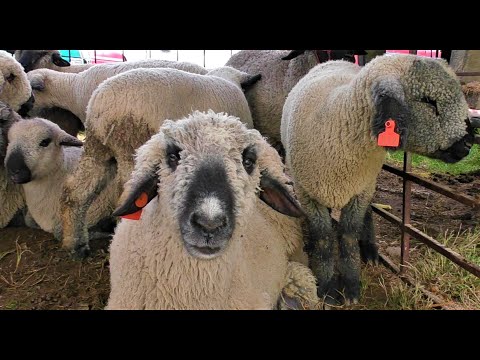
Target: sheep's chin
(204, 253)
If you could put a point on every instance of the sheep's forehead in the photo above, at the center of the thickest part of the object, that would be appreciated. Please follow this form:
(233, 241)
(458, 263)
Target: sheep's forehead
(429, 76)
(30, 129)
(217, 134)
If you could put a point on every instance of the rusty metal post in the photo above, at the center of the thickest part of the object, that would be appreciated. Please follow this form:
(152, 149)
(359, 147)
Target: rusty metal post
(406, 206)
(414, 52)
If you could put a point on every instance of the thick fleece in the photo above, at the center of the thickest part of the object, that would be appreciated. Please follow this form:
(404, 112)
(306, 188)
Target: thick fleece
(330, 124)
(123, 113)
(11, 195)
(15, 89)
(149, 265)
(72, 92)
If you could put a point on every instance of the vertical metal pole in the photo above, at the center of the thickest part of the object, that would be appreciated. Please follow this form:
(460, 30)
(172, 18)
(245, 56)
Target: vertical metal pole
(407, 188)
(177, 55)
(203, 58)
(95, 55)
(69, 56)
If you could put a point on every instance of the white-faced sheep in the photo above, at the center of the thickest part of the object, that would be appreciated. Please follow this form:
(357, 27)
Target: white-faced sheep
(15, 89)
(48, 59)
(123, 113)
(280, 71)
(11, 195)
(331, 122)
(39, 156)
(72, 92)
(207, 239)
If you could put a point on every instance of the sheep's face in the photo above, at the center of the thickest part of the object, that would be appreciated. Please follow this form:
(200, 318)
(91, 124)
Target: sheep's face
(15, 89)
(41, 82)
(37, 59)
(429, 108)
(210, 168)
(35, 149)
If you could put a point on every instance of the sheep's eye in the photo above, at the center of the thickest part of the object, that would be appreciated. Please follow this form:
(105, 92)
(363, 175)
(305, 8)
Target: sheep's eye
(249, 157)
(10, 78)
(45, 142)
(430, 102)
(173, 156)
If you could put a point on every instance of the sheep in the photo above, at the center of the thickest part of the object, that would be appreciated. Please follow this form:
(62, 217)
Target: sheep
(39, 157)
(123, 113)
(11, 195)
(280, 71)
(15, 89)
(49, 59)
(206, 241)
(72, 92)
(330, 124)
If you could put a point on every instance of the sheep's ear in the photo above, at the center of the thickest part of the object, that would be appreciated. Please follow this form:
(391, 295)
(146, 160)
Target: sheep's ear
(37, 83)
(389, 104)
(293, 54)
(250, 81)
(278, 197)
(69, 140)
(59, 61)
(138, 196)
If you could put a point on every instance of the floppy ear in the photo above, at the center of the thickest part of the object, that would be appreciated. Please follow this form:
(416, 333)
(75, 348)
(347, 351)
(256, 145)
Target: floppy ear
(250, 81)
(293, 54)
(137, 196)
(69, 140)
(278, 197)
(37, 83)
(389, 104)
(59, 61)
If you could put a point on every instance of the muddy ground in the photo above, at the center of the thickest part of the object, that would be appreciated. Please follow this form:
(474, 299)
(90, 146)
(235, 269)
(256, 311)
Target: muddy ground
(36, 274)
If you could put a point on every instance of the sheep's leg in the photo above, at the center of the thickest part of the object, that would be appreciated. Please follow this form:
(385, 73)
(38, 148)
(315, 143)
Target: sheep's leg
(351, 227)
(300, 290)
(368, 246)
(319, 246)
(80, 190)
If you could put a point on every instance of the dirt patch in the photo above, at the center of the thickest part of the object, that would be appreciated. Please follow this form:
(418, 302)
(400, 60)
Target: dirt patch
(35, 273)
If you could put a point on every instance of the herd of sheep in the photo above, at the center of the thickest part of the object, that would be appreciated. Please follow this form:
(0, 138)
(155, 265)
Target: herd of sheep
(225, 178)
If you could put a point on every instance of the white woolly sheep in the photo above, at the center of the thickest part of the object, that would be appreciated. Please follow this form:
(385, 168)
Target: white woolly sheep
(331, 121)
(207, 241)
(11, 195)
(15, 89)
(73, 91)
(48, 59)
(39, 157)
(123, 113)
(280, 71)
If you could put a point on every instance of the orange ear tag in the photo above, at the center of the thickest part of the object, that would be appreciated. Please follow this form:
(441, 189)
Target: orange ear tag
(389, 137)
(141, 202)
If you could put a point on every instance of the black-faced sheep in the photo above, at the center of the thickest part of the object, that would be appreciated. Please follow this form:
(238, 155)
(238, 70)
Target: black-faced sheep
(280, 71)
(48, 59)
(123, 113)
(39, 157)
(207, 239)
(331, 122)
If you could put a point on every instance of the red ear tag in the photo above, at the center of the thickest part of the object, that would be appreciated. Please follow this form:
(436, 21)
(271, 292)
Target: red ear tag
(141, 202)
(134, 216)
(389, 137)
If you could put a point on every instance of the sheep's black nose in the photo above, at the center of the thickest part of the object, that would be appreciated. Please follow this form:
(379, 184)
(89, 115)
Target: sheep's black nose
(209, 224)
(27, 106)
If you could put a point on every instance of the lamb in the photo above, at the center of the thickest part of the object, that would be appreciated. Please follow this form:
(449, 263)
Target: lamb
(49, 59)
(39, 157)
(72, 92)
(123, 113)
(330, 125)
(207, 241)
(11, 195)
(280, 70)
(15, 89)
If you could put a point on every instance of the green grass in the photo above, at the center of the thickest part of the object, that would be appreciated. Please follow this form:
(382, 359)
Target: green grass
(468, 165)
